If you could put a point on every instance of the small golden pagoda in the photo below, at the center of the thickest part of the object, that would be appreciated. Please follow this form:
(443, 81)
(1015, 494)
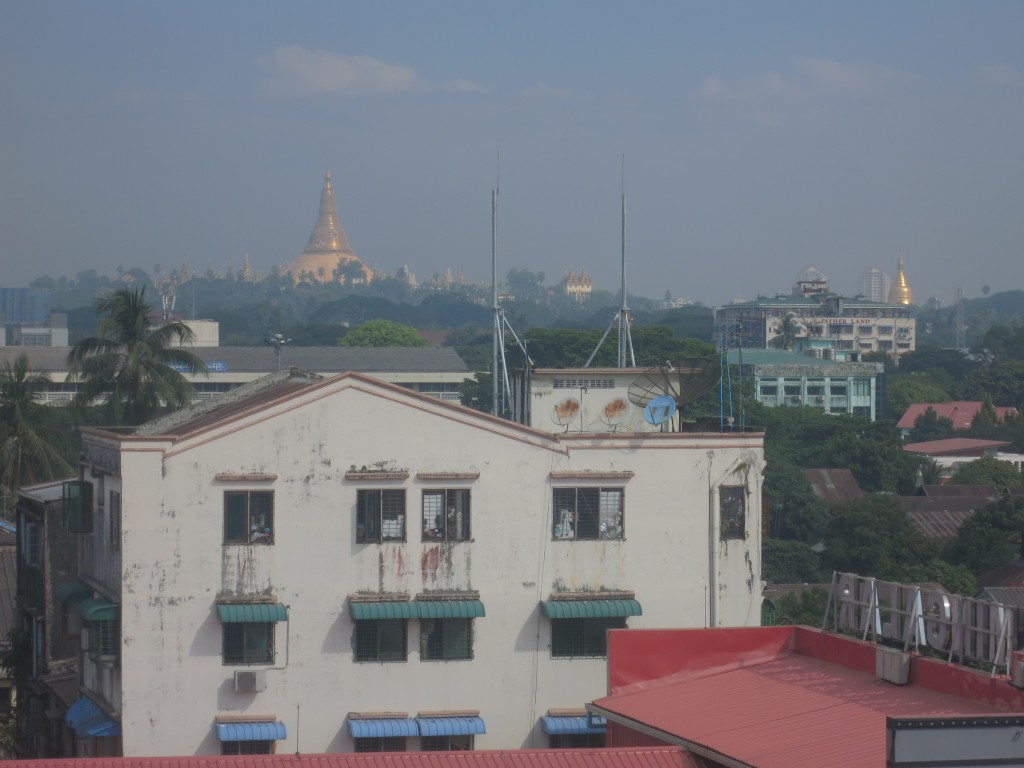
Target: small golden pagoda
(327, 249)
(899, 292)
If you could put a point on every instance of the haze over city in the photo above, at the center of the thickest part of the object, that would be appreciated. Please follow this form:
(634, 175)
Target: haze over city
(751, 139)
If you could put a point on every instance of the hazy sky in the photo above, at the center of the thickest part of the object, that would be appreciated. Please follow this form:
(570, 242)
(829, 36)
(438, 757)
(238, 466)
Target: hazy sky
(758, 138)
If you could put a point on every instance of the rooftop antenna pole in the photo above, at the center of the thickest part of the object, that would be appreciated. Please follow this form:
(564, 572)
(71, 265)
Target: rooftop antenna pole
(497, 330)
(622, 318)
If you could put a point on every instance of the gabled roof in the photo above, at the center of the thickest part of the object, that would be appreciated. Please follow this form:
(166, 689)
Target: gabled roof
(954, 446)
(833, 486)
(626, 757)
(940, 518)
(960, 412)
(779, 697)
(1006, 575)
(948, 489)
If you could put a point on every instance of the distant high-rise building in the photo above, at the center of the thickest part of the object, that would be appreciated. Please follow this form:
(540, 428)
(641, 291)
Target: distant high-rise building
(874, 284)
(900, 292)
(327, 256)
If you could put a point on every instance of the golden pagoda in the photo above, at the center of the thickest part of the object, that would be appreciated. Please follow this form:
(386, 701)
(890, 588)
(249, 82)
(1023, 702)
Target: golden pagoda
(327, 249)
(899, 291)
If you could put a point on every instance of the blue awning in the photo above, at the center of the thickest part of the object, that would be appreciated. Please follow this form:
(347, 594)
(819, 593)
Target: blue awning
(381, 727)
(460, 725)
(560, 724)
(88, 720)
(252, 731)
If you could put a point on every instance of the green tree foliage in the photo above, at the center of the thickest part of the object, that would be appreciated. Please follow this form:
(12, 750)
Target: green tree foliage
(988, 470)
(1005, 342)
(789, 562)
(796, 512)
(903, 390)
(525, 285)
(873, 537)
(788, 330)
(133, 360)
(33, 446)
(928, 426)
(957, 578)
(382, 333)
(1002, 381)
(987, 539)
(805, 608)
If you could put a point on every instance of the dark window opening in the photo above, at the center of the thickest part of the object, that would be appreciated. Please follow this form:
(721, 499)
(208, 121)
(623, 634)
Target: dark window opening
(587, 513)
(249, 643)
(446, 743)
(380, 516)
(582, 638)
(381, 640)
(446, 515)
(732, 502)
(248, 517)
(247, 747)
(446, 639)
(380, 744)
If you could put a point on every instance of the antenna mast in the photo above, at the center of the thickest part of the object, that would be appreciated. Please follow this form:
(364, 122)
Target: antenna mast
(622, 318)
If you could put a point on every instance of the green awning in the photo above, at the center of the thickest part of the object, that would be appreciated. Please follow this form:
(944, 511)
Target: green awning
(252, 613)
(99, 609)
(73, 591)
(417, 609)
(589, 609)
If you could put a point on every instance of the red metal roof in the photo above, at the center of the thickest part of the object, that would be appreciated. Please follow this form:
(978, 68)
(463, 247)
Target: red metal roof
(833, 485)
(954, 446)
(633, 757)
(780, 697)
(960, 412)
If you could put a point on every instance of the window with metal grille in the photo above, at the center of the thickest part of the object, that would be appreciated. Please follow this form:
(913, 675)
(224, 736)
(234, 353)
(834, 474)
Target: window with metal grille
(249, 643)
(381, 640)
(588, 513)
(576, 740)
(78, 506)
(104, 641)
(446, 515)
(380, 744)
(248, 517)
(380, 516)
(732, 511)
(446, 743)
(446, 639)
(582, 638)
(247, 747)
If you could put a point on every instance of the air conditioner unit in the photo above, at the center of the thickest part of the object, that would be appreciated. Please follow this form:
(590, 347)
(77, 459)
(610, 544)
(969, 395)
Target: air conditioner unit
(250, 680)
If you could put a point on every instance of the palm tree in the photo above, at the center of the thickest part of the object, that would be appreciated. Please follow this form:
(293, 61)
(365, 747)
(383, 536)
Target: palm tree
(789, 328)
(32, 444)
(133, 361)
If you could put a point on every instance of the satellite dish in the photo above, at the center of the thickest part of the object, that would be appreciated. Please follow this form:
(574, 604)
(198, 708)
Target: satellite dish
(683, 382)
(616, 411)
(660, 410)
(565, 411)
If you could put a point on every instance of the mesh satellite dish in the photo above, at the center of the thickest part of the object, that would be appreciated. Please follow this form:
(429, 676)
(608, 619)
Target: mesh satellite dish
(565, 411)
(616, 411)
(683, 382)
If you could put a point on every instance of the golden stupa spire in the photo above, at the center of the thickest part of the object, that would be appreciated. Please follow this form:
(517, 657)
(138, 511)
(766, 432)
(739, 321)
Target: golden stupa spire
(327, 251)
(899, 292)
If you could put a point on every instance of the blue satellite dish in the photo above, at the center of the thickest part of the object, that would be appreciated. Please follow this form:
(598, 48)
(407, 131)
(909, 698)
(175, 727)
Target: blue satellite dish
(660, 410)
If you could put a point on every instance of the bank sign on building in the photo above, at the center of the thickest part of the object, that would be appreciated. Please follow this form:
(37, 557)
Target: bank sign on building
(334, 564)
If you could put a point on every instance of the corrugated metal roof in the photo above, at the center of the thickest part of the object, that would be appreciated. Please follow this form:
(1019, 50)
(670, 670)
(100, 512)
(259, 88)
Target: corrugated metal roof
(953, 446)
(1008, 575)
(990, 492)
(941, 522)
(833, 485)
(960, 412)
(631, 757)
(787, 712)
(1004, 595)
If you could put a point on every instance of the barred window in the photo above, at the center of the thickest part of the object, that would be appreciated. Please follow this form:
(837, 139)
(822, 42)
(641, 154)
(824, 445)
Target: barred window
(248, 643)
(115, 520)
(247, 747)
(381, 640)
(732, 503)
(587, 513)
(582, 638)
(248, 517)
(104, 640)
(446, 515)
(380, 516)
(446, 639)
(380, 744)
(446, 743)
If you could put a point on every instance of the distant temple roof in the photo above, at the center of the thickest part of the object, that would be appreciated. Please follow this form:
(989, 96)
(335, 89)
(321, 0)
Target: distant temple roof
(327, 246)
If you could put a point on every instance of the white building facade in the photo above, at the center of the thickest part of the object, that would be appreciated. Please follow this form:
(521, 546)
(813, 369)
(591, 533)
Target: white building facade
(334, 564)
